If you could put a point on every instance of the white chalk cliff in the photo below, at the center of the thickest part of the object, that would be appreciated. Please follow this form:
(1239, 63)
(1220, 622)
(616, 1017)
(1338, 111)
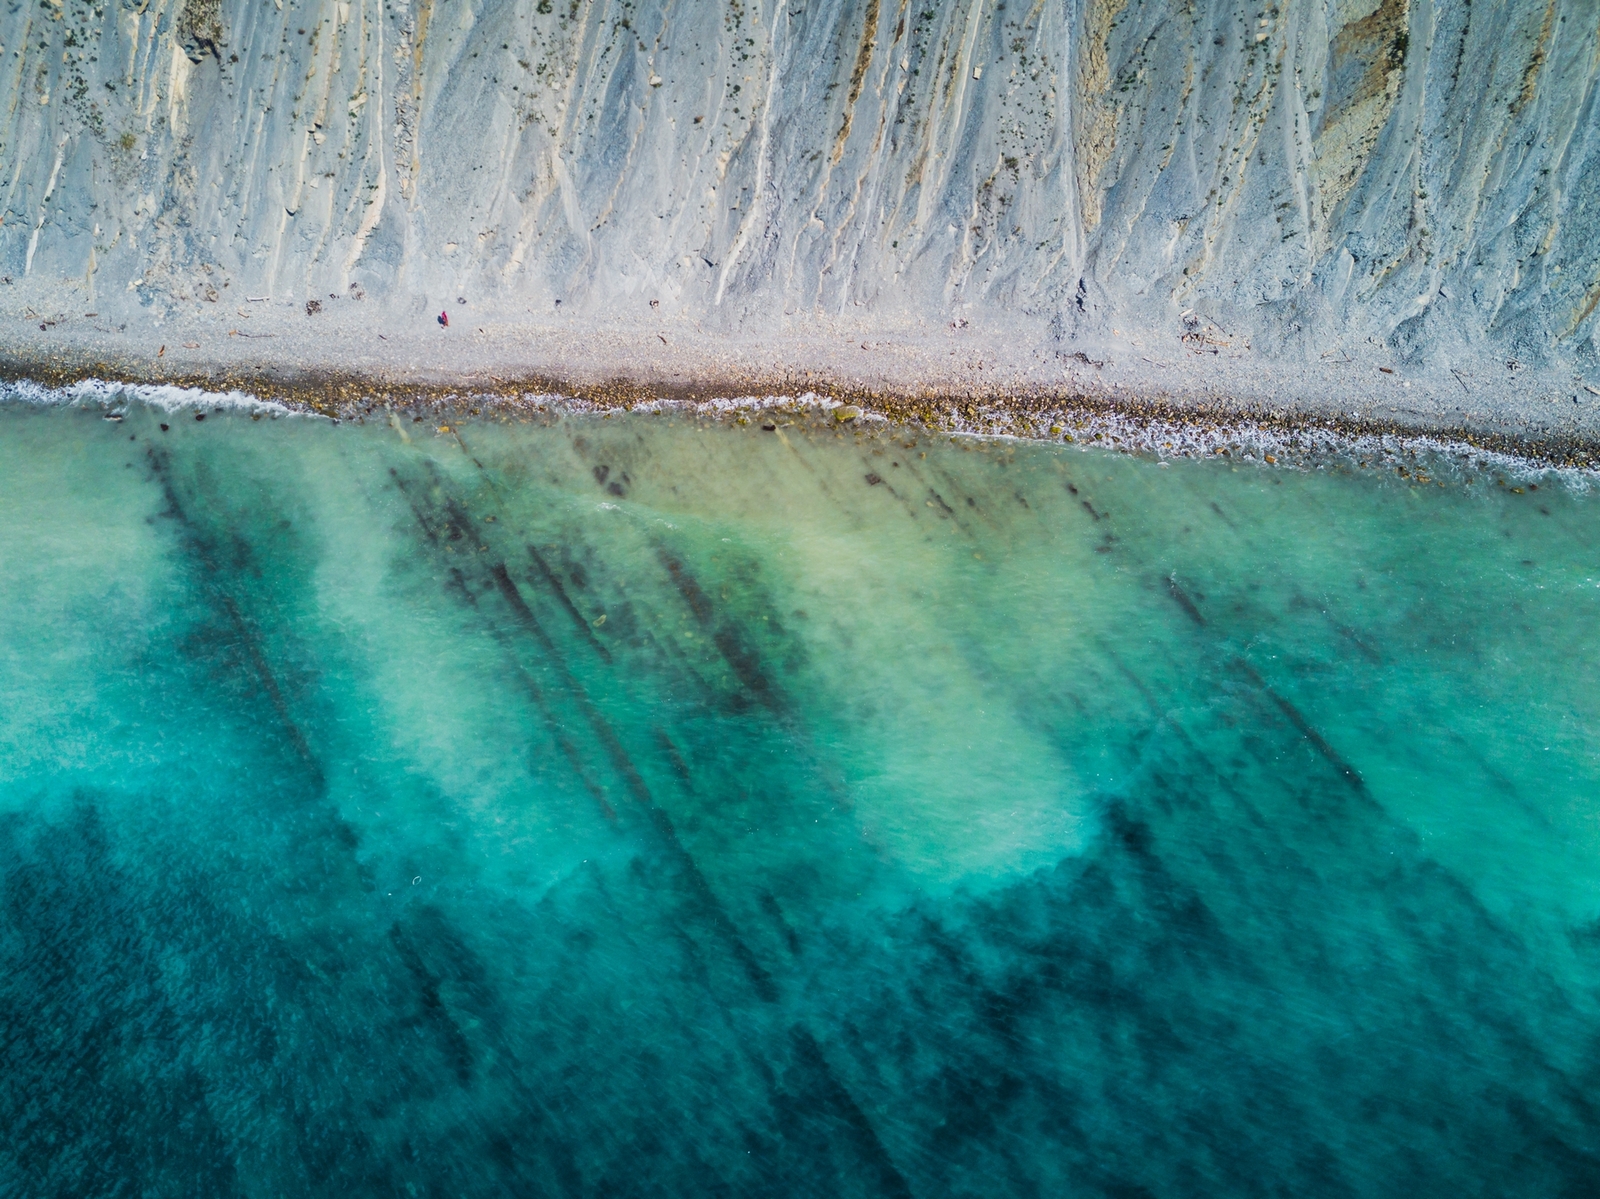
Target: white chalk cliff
(1309, 173)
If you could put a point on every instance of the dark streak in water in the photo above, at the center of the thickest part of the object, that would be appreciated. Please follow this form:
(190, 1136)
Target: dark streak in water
(621, 762)
(1306, 729)
(742, 660)
(791, 939)
(1355, 639)
(434, 1012)
(457, 585)
(1181, 597)
(582, 625)
(675, 759)
(888, 1181)
(211, 573)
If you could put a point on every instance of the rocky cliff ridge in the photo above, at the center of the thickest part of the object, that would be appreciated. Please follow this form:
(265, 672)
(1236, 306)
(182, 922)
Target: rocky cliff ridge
(1302, 178)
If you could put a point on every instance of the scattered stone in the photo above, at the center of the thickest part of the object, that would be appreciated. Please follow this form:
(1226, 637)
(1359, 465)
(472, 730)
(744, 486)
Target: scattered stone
(846, 412)
(313, 307)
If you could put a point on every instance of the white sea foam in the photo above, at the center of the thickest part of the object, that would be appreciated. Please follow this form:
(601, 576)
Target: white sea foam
(115, 397)
(1267, 444)
(1310, 446)
(1429, 457)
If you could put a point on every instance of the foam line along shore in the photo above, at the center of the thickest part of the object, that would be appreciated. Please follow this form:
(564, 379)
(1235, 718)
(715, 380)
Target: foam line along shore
(1267, 440)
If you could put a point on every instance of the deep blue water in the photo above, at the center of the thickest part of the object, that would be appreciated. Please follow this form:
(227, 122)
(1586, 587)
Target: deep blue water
(646, 806)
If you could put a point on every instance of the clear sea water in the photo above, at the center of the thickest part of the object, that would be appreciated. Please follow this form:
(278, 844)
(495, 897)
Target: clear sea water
(649, 805)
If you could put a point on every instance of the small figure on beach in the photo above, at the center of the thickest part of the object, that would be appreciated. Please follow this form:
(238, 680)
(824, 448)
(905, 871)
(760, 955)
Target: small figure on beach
(444, 318)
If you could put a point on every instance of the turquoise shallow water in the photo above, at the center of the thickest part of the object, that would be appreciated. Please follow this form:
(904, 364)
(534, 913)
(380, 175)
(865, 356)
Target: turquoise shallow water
(648, 806)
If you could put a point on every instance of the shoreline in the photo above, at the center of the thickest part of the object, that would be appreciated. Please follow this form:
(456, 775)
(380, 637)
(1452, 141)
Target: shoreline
(986, 380)
(1150, 428)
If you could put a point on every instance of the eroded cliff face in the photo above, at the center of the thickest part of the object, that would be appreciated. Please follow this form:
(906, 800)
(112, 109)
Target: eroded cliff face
(1305, 172)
